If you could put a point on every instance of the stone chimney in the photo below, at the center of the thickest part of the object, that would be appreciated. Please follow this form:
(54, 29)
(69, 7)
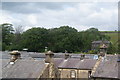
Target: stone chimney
(103, 50)
(82, 56)
(67, 55)
(14, 56)
(49, 57)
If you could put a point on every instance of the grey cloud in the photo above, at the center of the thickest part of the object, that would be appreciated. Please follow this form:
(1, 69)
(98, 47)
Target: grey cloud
(57, 14)
(34, 7)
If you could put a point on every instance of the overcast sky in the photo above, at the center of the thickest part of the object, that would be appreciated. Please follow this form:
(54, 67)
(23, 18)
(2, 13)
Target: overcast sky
(101, 15)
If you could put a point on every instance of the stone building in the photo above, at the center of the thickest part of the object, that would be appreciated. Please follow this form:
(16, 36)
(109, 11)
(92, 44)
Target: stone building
(96, 44)
(18, 68)
(76, 68)
(108, 69)
(59, 66)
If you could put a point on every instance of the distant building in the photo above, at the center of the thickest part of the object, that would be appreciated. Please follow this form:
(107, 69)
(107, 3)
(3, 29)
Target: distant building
(96, 44)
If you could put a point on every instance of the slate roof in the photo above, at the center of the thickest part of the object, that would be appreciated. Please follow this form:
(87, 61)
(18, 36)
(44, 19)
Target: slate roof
(87, 56)
(112, 57)
(42, 55)
(69, 63)
(78, 64)
(75, 55)
(5, 55)
(37, 55)
(4, 62)
(24, 69)
(25, 55)
(101, 42)
(107, 69)
(58, 61)
(59, 55)
(86, 64)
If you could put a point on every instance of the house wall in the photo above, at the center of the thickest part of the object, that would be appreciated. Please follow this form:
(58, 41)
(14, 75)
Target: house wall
(50, 71)
(66, 73)
(53, 71)
(104, 79)
(45, 73)
(83, 73)
(97, 45)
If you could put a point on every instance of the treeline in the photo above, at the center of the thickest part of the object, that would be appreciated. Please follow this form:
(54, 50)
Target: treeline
(55, 39)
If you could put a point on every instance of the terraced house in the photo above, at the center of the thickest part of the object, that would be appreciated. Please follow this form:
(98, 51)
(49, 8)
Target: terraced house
(46, 66)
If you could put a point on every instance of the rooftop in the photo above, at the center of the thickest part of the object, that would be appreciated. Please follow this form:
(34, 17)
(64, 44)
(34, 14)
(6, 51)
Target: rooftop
(78, 64)
(101, 41)
(108, 69)
(24, 69)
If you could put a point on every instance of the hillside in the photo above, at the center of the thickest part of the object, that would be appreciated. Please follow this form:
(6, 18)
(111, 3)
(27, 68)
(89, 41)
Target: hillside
(113, 36)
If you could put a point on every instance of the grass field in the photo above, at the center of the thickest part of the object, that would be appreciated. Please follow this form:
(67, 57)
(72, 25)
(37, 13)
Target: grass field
(113, 37)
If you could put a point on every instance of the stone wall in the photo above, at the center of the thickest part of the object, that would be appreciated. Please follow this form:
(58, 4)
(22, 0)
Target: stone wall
(53, 71)
(67, 73)
(45, 74)
(50, 72)
(83, 74)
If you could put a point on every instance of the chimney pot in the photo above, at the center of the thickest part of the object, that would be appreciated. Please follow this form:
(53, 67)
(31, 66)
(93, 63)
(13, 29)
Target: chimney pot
(82, 56)
(49, 57)
(14, 55)
(103, 50)
(67, 55)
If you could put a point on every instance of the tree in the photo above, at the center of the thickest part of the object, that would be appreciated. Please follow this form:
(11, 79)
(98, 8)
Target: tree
(35, 39)
(111, 49)
(7, 35)
(16, 41)
(59, 38)
(90, 35)
(56, 39)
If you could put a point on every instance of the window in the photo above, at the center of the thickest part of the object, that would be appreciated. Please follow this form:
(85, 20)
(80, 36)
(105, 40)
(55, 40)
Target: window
(73, 74)
(89, 74)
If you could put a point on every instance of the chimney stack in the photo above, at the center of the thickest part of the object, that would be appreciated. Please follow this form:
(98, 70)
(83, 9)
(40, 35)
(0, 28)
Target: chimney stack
(14, 56)
(103, 50)
(82, 56)
(49, 57)
(67, 55)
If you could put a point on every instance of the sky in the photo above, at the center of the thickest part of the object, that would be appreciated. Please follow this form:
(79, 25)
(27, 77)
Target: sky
(80, 15)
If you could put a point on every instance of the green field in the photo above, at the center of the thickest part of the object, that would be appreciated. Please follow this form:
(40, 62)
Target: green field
(113, 36)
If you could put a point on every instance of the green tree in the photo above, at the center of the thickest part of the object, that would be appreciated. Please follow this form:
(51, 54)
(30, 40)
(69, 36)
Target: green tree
(7, 35)
(60, 39)
(90, 35)
(111, 49)
(16, 41)
(35, 39)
